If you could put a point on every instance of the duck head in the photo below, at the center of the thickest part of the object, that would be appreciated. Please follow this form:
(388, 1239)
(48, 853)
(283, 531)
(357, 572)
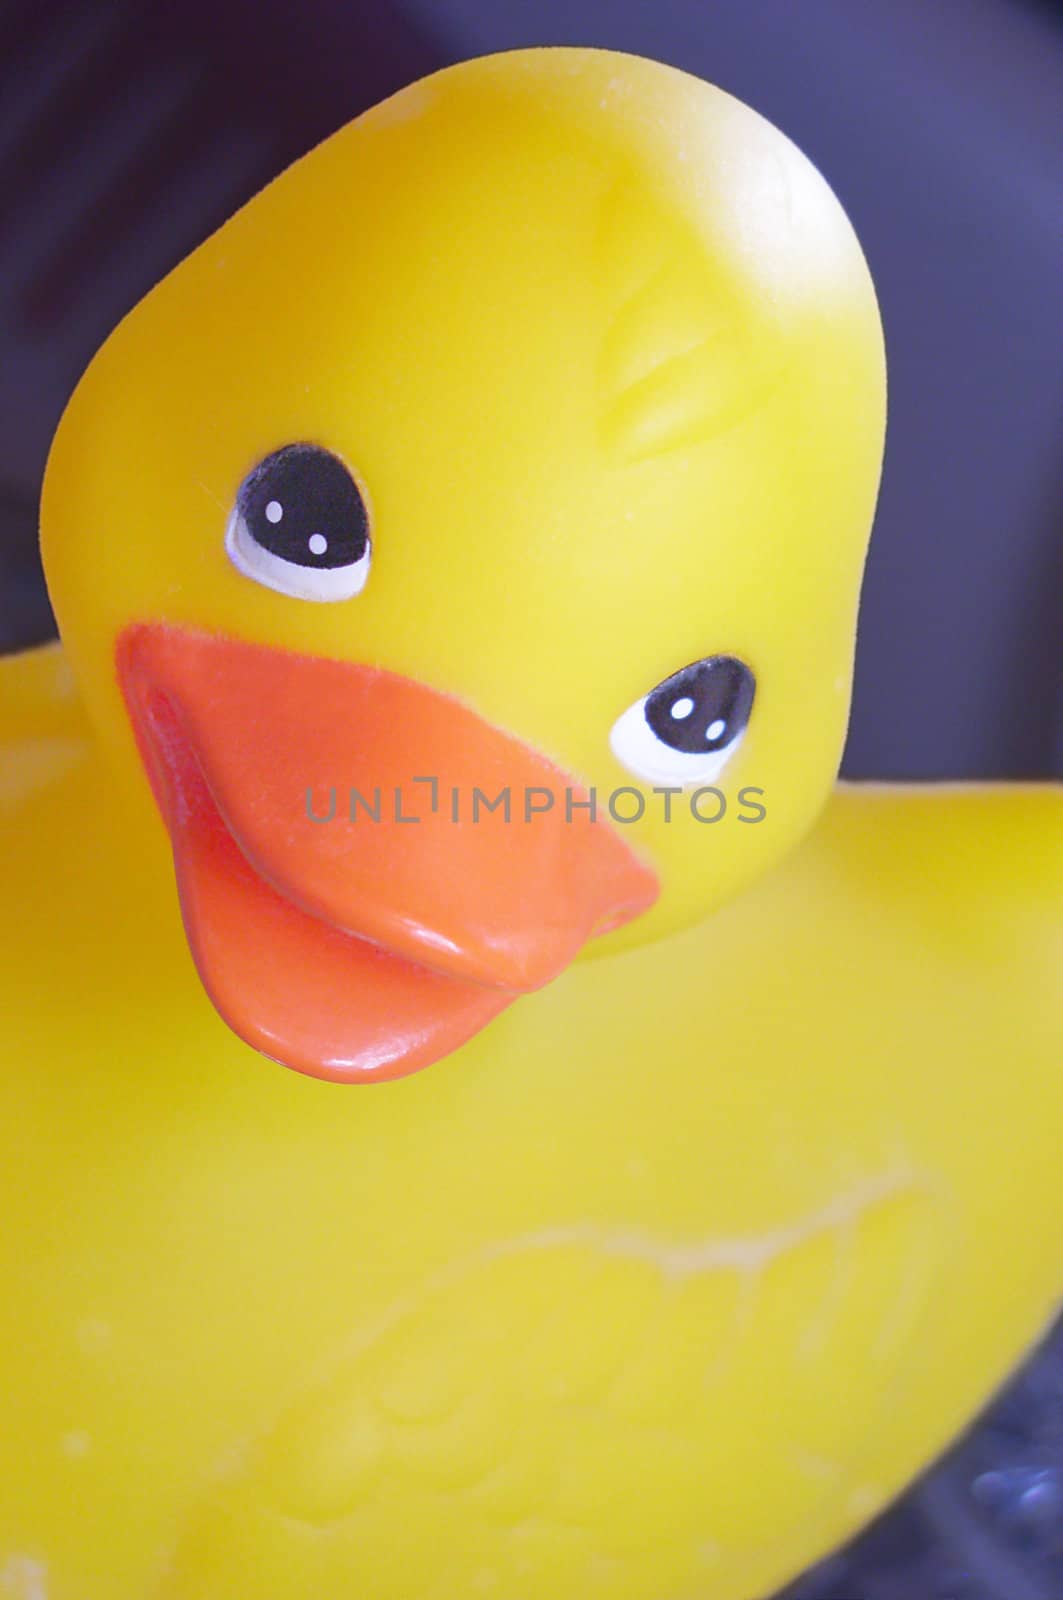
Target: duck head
(460, 551)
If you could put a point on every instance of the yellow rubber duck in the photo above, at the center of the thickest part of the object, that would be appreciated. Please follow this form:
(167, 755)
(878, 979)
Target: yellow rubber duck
(524, 437)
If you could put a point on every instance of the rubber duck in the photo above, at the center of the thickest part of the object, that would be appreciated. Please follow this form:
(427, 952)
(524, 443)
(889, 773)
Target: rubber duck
(692, 1174)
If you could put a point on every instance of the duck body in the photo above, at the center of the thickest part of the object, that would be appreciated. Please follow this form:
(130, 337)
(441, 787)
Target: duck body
(688, 1183)
(511, 1323)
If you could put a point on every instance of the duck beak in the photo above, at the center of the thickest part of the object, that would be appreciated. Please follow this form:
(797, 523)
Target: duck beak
(368, 871)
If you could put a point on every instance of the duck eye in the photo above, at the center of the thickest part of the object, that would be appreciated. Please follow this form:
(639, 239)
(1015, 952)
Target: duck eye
(300, 525)
(688, 728)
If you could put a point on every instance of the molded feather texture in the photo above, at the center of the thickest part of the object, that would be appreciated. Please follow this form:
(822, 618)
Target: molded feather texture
(618, 1343)
(683, 357)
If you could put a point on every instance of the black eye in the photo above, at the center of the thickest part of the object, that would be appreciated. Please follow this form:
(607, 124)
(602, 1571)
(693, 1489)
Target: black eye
(687, 728)
(300, 525)
(702, 707)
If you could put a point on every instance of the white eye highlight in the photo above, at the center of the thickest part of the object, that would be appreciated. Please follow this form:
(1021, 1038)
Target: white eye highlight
(687, 729)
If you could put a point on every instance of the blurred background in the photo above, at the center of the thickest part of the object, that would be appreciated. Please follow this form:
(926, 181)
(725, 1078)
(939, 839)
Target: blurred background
(128, 131)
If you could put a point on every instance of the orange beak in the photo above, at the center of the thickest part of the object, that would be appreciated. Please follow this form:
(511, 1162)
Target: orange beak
(368, 871)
